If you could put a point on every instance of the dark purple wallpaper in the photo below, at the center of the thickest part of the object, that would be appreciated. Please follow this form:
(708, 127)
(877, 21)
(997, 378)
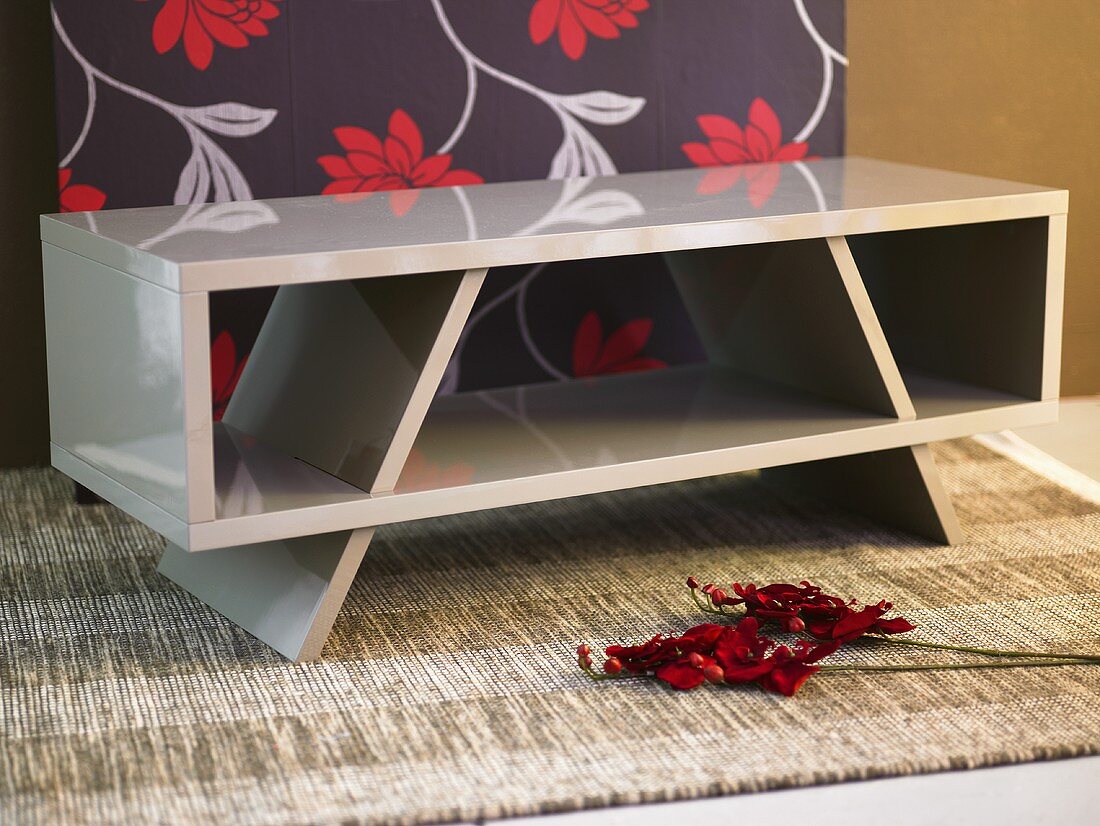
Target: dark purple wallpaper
(188, 101)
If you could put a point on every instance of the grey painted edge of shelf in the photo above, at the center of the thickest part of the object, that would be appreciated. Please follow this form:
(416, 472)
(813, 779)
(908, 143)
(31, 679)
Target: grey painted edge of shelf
(382, 509)
(588, 243)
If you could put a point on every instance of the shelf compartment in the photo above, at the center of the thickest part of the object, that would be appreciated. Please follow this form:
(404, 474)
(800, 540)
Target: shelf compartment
(541, 429)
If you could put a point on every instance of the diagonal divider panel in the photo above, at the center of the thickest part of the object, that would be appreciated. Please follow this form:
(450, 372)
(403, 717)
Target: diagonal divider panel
(343, 372)
(794, 313)
(799, 313)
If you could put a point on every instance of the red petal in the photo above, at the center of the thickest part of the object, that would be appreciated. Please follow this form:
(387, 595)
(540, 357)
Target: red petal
(728, 152)
(786, 679)
(897, 625)
(756, 142)
(397, 156)
(236, 378)
(341, 186)
(716, 126)
(221, 29)
(82, 198)
(586, 344)
(63, 178)
(360, 140)
(253, 26)
(792, 151)
(403, 200)
(543, 20)
(625, 19)
(571, 34)
(336, 166)
(223, 357)
(682, 675)
(197, 43)
(718, 180)
(168, 25)
(595, 21)
(268, 11)
(366, 164)
(700, 154)
(405, 130)
(460, 177)
(430, 170)
(763, 117)
(624, 343)
(763, 179)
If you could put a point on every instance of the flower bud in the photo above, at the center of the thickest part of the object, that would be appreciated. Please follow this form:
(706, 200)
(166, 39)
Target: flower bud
(718, 596)
(583, 650)
(584, 662)
(795, 625)
(612, 666)
(782, 653)
(708, 588)
(714, 673)
(693, 583)
(695, 660)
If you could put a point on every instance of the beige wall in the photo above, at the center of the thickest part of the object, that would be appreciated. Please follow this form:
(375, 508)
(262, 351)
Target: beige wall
(1008, 88)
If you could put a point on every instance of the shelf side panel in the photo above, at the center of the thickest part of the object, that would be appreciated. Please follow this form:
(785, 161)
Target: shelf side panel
(343, 371)
(785, 312)
(116, 377)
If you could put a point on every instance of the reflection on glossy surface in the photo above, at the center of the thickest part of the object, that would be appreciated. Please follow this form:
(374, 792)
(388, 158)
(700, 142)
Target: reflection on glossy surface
(320, 227)
(538, 429)
(251, 477)
(116, 376)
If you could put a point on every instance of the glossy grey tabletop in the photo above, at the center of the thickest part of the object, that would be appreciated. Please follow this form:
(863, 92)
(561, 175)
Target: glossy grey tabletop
(318, 238)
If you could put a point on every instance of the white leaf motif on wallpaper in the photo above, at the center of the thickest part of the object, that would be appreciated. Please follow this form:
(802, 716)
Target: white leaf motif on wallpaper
(602, 107)
(210, 174)
(234, 120)
(580, 154)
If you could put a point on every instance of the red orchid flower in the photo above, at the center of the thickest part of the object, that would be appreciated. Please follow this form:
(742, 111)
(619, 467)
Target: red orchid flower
(754, 151)
(202, 22)
(396, 163)
(806, 607)
(77, 197)
(574, 20)
(593, 356)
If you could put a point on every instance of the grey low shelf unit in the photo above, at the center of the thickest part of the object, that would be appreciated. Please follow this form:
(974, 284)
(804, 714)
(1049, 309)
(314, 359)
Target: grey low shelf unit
(864, 310)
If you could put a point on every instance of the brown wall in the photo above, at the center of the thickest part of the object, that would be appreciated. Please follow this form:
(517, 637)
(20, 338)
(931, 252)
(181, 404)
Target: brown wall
(28, 186)
(1008, 88)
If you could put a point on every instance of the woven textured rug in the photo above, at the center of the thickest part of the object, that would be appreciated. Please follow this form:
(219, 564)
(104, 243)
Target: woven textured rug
(449, 690)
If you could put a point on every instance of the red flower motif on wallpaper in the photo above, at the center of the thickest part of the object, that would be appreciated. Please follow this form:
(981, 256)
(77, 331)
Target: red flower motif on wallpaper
(574, 20)
(730, 147)
(77, 197)
(396, 163)
(202, 22)
(225, 372)
(593, 356)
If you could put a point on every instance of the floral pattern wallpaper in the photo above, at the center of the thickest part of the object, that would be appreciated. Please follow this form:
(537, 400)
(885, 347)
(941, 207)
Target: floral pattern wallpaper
(196, 101)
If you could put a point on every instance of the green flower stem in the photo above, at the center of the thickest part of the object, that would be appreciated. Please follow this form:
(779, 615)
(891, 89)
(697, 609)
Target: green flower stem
(955, 666)
(988, 652)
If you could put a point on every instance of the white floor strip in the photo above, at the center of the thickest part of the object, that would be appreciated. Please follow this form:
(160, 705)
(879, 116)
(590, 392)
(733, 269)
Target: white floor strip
(1009, 444)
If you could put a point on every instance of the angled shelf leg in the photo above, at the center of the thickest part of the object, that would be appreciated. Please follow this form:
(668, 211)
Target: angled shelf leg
(286, 593)
(341, 377)
(900, 487)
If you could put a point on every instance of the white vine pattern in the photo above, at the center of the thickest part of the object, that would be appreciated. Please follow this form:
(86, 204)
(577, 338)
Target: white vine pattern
(829, 55)
(209, 173)
(580, 153)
